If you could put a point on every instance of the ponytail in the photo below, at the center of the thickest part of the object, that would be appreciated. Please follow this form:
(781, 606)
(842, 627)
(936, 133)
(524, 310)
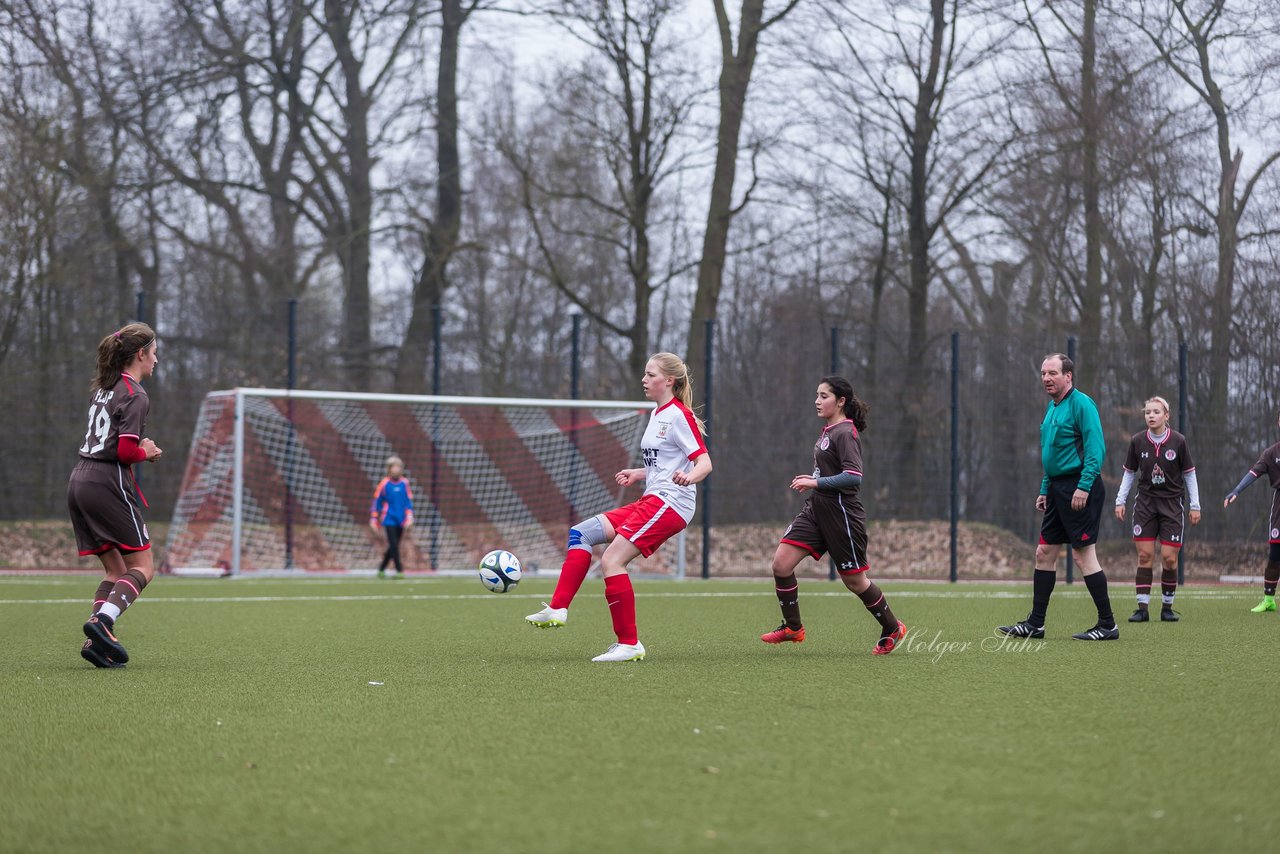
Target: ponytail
(854, 408)
(673, 366)
(119, 349)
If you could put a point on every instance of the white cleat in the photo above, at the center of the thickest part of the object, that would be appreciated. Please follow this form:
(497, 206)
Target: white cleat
(549, 618)
(622, 652)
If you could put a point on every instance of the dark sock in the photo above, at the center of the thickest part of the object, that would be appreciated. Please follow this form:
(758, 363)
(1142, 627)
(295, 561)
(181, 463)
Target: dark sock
(1168, 586)
(1097, 584)
(125, 592)
(1271, 577)
(874, 599)
(1042, 581)
(101, 594)
(1142, 584)
(788, 592)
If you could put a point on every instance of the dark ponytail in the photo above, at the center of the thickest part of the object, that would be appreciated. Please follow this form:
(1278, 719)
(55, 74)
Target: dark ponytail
(117, 350)
(854, 409)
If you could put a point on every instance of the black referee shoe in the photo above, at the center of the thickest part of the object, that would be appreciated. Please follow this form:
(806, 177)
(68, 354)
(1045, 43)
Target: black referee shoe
(1022, 629)
(1168, 615)
(98, 629)
(1139, 616)
(1099, 632)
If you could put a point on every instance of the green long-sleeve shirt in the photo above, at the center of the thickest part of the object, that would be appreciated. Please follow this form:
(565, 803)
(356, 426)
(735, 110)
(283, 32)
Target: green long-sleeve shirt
(1071, 440)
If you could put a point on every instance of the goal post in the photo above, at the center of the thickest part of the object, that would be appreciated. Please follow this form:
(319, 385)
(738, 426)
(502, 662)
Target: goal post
(284, 480)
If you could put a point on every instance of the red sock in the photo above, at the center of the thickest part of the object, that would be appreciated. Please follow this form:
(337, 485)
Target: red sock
(572, 574)
(622, 607)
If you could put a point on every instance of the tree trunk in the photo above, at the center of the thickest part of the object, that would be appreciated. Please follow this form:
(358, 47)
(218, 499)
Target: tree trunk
(440, 240)
(735, 78)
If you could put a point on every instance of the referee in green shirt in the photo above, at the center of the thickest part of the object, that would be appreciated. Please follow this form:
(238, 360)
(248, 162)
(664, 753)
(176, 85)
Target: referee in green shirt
(1071, 498)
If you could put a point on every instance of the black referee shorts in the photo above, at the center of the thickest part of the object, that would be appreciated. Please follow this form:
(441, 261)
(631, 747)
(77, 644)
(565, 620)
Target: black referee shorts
(1062, 524)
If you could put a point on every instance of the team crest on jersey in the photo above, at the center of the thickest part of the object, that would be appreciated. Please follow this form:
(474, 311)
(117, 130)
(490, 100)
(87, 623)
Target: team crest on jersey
(1170, 454)
(825, 443)
(662, 429)
(1137, 529)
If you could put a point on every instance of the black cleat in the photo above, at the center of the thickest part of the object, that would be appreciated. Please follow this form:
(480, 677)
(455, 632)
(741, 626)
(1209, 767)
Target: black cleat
(1022, 629)
(92, 655)
(1099, 632)
(98, 630)
(1168, 615)
(1139, 616)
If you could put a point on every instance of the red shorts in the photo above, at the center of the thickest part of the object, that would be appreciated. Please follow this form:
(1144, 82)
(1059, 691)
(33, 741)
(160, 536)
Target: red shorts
(647, 523)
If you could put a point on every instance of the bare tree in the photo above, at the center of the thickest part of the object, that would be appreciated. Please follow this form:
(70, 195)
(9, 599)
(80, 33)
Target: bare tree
(1193, 40)
(737, 64)
(440, 237)
(591, 189)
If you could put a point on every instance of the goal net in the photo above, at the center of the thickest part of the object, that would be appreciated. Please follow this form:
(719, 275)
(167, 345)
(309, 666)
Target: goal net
(281, 480)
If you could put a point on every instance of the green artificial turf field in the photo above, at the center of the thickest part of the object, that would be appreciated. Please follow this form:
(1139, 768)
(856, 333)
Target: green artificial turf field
(425, 715)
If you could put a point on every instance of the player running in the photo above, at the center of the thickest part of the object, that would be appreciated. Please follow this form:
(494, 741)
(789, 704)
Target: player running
(102, 493)
(832, 519)
(1160, 462)
(1268, 464)
(675, 459)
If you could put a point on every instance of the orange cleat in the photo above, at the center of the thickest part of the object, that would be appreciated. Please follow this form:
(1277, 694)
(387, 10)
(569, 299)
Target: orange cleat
(782, 634)
(889, 642)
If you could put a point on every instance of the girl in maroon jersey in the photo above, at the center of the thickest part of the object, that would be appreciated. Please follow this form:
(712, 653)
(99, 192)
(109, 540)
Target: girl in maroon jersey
(102, 494)
(832, 519)
(1159, 462)
(1268, 464)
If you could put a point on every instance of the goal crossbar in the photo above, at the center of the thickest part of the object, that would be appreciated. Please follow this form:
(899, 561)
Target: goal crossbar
(280, 479)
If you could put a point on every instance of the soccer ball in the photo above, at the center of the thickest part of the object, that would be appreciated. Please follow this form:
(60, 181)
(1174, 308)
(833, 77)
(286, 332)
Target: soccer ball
(500, 570)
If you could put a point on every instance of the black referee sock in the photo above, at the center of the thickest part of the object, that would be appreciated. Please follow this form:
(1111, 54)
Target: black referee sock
(1097, 584)
(1042, 581)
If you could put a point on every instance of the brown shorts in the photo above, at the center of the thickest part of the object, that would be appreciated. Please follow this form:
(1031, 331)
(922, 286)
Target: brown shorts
(1158, 518)
(832, 525)
(105, 511)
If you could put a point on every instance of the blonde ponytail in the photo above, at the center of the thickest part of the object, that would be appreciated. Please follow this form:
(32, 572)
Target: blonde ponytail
(673, 366)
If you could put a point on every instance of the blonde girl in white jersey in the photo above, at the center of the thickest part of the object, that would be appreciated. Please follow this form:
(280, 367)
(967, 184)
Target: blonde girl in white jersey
(675, 459)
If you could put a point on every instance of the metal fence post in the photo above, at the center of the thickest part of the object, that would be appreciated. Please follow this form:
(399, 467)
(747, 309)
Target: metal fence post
(706, 419)
(291, 452)
(955, 454)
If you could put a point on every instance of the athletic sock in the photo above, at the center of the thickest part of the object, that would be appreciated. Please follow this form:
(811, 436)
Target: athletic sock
(101, 594)
(1042, 581)
(572, 573)
(1270, 578)
(1168, 586)
(123, 594)
(1097, 584)
(788, 592)
(1142, 582)
(622, 607)
(874, 599)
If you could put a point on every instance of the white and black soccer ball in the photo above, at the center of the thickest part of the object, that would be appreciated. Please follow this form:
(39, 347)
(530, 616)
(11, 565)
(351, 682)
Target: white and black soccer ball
(500, 570)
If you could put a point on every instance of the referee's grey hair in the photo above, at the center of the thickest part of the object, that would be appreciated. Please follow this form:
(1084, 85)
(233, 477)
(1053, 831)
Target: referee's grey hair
(1068, 366)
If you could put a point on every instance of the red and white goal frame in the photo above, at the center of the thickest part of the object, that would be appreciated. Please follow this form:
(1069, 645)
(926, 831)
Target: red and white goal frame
(283, 480)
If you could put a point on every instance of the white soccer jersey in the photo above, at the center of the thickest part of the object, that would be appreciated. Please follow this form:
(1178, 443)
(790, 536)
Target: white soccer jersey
(671, 443)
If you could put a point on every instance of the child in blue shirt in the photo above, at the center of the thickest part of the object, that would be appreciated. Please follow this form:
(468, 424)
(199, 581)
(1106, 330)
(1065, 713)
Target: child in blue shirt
(392, 510)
